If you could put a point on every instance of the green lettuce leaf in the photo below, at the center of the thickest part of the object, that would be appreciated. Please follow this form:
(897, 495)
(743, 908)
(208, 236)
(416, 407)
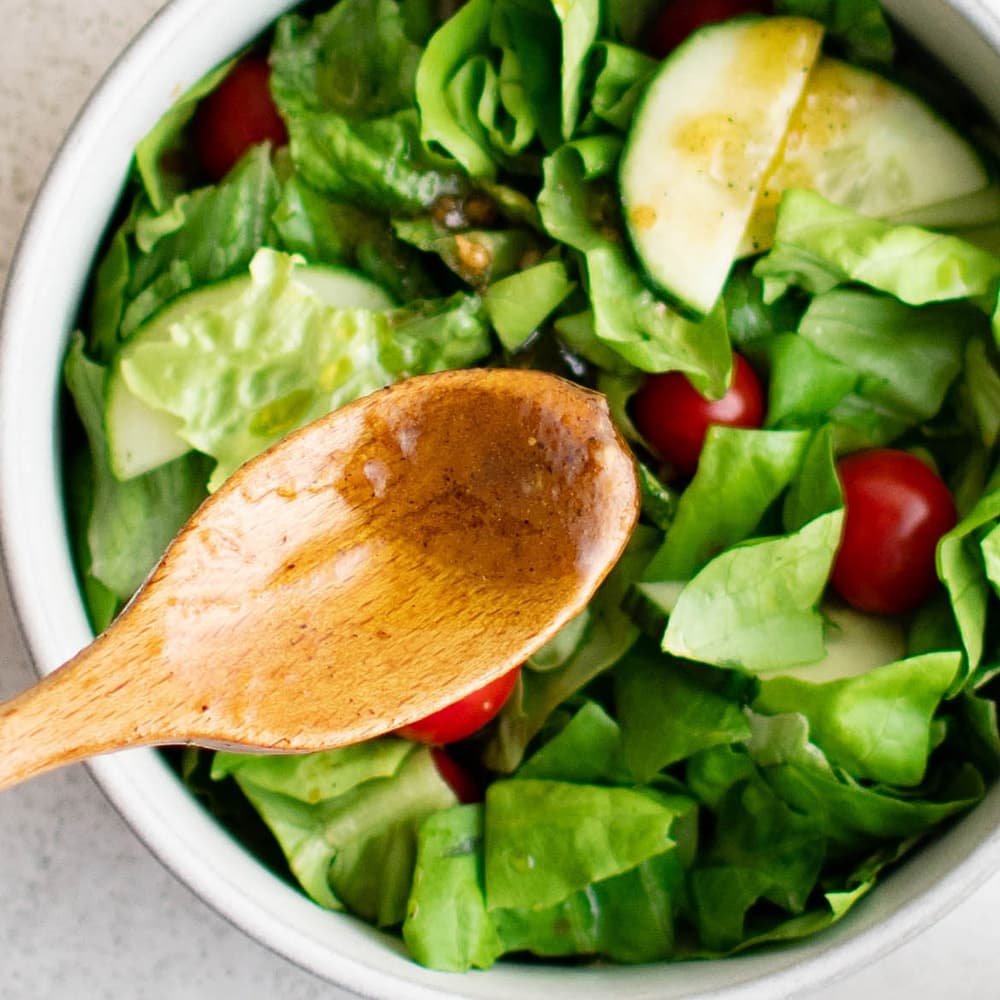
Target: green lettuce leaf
(962, 569)
(355, 60)
(131, 523)
(518, 304)
(904, 359)
(626, 918)
(579, 208)
(876, 726)
(761, 850)
(204, 236)
(486, 80)
(852, 815)
(621, 75)
(754, 607)
(330, 232)
(546, 840)
(588, 750)
(819, 245)
(867, 364)
(242, 376)
(740, 474)
(347, 820)
(447, 925)
(668, 713)
(981, 387)
(758, 932)
(581, 22)
(480, 257)
(345, 84)
(101, 604)
(804, 384)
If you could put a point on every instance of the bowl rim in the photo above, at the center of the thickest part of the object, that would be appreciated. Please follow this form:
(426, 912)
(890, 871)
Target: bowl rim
(141, 787)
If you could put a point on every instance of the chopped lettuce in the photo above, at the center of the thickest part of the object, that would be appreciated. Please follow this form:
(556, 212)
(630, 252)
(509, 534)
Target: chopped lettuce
(754, 606)
(483, 80)
(347, 820)
(245, 374)
(693, 766)
(344, 82)
(877, 725)
(546, 840)
(670, 711)
(740, 474)
(819, 246)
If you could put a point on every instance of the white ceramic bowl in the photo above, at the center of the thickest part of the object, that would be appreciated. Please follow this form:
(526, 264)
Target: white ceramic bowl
(45, 284)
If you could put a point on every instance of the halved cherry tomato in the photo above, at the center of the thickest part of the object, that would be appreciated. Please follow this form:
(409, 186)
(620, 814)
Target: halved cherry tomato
(458, 779)
(681, 18)
(238, 114)
(897, 509)
(674, 417)
(465, 716)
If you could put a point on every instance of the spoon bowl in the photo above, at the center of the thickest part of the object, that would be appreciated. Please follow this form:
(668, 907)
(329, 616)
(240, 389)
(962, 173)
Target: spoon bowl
(363, 573)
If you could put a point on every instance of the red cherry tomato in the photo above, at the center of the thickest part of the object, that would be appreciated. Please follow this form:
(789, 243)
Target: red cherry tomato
(459, 780)
(681, 18)
(466, 715)
(897, 509)
(674, 417)
(238, 114)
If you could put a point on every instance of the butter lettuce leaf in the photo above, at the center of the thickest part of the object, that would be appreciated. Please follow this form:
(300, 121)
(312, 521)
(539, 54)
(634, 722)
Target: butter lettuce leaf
(669, 712)
(626, 918)
(347, 820)
(486, 82)
(546, 840)
(962, 568)
(159, 152)
(447, 925)
(740, 474)
(876, 726)
(345, 83)
(819, 245)
(754, 606)
(587, 750)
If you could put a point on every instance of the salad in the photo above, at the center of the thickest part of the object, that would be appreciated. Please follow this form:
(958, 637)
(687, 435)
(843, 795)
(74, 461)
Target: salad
(770, 236)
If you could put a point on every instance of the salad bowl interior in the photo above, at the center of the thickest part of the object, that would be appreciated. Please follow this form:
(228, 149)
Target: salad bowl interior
(51, 268)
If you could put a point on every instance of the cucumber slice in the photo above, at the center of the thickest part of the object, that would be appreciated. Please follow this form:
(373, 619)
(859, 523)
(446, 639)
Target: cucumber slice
(867, 144)
(705, 136)
(141, 438)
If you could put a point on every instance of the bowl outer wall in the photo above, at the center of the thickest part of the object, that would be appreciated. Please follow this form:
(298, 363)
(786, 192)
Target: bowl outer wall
(46, 281)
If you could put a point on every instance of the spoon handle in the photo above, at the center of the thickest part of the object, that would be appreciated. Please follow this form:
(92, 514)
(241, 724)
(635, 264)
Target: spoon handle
(80, 710)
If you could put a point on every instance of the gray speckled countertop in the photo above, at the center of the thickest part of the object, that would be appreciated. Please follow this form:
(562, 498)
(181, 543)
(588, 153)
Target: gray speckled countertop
(85, 911)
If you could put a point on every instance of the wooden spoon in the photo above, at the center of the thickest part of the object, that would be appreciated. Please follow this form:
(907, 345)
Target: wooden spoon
(368, 570)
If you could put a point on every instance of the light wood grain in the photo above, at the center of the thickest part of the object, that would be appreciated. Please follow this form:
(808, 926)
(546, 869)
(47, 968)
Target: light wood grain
(370, 569)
